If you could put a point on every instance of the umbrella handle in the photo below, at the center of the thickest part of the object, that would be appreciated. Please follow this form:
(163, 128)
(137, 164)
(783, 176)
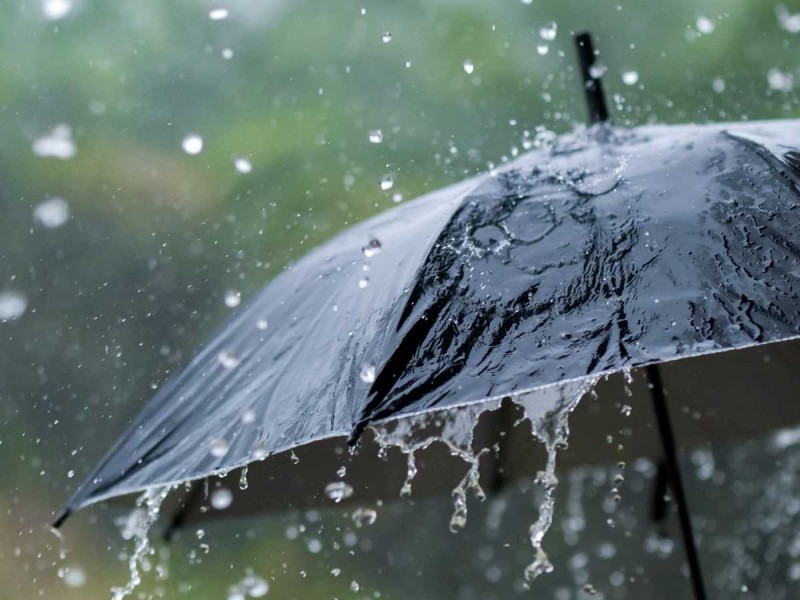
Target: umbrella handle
(592, 86)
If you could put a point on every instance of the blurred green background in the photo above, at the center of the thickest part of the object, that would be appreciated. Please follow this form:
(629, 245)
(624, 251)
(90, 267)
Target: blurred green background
(119, 296)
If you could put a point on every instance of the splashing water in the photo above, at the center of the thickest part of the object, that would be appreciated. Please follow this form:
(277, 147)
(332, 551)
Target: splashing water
(547, 410)
(136, 527)
(552, 430)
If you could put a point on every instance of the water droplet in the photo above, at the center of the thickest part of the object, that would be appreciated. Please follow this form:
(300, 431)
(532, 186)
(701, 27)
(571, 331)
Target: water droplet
(262, 324)
(718, 85)
(364, 516)
(542, 49)
(218, 14)
(192, 144)
(70, 474)
(252, 585)
(12, 305)
(228, 359)
(233, 298)
(468, 67)
(338, 490)
(227, 53)
(293, 457)
(630, 78)
(363, 282)
(218, 447)
(548, 32)
(243, 484)
(58, 143)
(248, 417)
(74, 577)
(341, 471)
(51, 213)
(386, 182)
(626, 410)
(408, 64)
(386, 37)
(314, 546)
(242, 165)
(53, 10)
(590, 589)
(354, 587)
(367, 374)
(597, 70)
(705, 25)
(375, 136)
(527, 1)
(780, 81)
(372, 248)
(221, 498)
(336, 572)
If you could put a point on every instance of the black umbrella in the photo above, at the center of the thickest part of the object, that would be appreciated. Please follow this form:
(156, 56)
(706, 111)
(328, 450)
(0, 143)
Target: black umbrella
(609, 249)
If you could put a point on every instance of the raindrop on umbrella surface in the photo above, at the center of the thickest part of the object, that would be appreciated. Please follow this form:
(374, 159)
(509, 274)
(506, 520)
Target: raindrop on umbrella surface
(372, 248)
(218, 447)
(51, 213)
(58, 143)
(12, 305)
(228, 359)
(367, 374)
(221, 498)
(338, 490)
(468, 67)
(242, 165)
(375, 136)
(386, 182)
(192, 144)
(53, 10)
(233, 298)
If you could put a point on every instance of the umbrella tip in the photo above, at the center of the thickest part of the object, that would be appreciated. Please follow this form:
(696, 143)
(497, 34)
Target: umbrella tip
(592, 84)
(61, 517)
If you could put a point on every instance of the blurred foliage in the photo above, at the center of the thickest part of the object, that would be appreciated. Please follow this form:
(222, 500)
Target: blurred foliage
(121, 295)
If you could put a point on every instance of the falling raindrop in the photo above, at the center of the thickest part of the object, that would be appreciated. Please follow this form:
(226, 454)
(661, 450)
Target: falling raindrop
(597, 70)
(542, 49)
(12, 305)
(718, 85)
(364, 516)
(338, 490)
(233, 298)
(51, 213)
(58, 143)
(548, 32)
(53, 10)
(192, 144)
(386, 182)
(468, 67)
(363, 282)
(386, 37)
(221, 498)
(630, 77)
(341, 471)
(372, 248)
(705, 25)
(218, 447)
(408, 64)
(243, 483)
(228, 359)
(314, 546)
(367, 374)
(375, 136)
(218, 14)
(626, 410)
(780, 81)
(242, 165)
(354, 586)
(74, 577)
(227, 53)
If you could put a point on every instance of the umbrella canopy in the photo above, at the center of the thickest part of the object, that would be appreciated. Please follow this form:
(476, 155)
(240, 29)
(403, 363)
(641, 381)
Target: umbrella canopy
(605, 250)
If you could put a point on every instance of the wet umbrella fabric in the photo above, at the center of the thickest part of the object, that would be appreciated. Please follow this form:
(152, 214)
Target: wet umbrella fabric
(610, 249)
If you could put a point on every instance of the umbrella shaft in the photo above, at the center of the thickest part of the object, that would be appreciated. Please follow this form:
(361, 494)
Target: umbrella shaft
(675, 483)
